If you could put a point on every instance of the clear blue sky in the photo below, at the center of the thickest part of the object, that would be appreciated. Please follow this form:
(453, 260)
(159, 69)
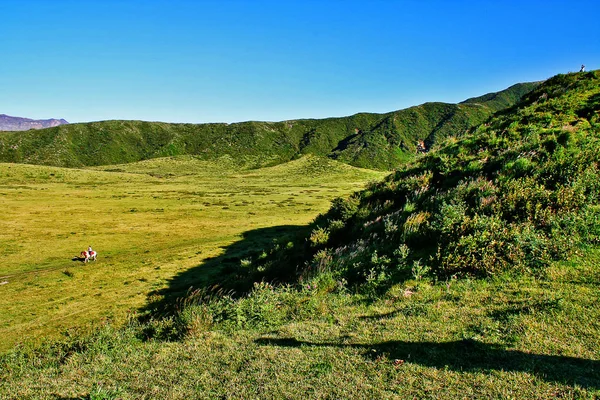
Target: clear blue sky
(233, 60)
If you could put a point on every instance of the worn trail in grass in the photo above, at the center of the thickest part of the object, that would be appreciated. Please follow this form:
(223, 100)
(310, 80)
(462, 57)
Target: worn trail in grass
(148, 221)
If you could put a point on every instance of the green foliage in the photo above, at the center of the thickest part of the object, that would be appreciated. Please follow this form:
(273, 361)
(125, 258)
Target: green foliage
(419, 270)
(263, 307)
(379, 141)
(344, 209)
(318, 237)
(512, 195)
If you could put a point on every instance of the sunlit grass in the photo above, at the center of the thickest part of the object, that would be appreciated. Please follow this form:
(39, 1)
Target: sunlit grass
(495, 338)
(148, 221)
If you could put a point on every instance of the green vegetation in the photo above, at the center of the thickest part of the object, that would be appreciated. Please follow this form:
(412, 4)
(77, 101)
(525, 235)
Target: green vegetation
(511, 196)
(495, 338)
(471, 272)
(149, 222)
(381, 141)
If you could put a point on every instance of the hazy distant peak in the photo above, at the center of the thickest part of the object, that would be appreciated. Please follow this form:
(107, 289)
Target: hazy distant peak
(9, 123)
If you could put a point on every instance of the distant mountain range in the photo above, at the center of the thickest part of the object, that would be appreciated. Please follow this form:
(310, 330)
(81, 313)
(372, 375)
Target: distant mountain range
(368, 140)
(8, 123)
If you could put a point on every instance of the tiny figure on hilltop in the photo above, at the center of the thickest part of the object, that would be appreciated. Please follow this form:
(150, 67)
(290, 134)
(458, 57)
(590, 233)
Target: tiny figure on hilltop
(582, 68)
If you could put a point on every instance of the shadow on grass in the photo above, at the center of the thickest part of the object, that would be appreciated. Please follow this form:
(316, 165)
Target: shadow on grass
(410, 309)
(224, 273)
(471, 356)
(517, 308)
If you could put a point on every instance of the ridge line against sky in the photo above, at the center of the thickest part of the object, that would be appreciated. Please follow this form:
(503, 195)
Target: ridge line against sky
(233, 60)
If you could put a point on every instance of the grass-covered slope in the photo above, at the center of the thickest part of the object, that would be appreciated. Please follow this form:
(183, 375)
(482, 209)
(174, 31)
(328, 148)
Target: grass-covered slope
(511, 195)
(366, 140)
(506, 196)
(497, 339)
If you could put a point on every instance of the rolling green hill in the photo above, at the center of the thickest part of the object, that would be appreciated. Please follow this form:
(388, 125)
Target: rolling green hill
(381, 141)
(381, 296)
(512, 195)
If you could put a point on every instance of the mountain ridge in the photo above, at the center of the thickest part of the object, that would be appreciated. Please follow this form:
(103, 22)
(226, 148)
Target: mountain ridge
(11, 123)
(367, 140)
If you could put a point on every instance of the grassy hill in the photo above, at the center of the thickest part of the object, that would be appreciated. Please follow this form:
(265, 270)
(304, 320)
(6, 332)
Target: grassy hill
(512, 195)
(381, 141)
(471, 272)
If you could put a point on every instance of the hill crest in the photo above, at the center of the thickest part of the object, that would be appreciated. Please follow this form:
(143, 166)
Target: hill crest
(367, 140)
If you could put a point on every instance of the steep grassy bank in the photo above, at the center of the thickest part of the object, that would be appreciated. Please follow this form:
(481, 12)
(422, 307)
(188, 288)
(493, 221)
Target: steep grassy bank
(381, 141)
(512, 195)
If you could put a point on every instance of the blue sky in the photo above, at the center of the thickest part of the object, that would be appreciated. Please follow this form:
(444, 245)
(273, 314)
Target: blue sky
(233, 60)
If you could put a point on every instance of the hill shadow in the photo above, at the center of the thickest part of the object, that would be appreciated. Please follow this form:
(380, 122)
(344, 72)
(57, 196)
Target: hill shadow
(470, 356)
(225, 273)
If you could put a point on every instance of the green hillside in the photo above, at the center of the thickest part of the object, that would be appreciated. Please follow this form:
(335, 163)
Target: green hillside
(512, 195)
(381, 141)
(471, 272)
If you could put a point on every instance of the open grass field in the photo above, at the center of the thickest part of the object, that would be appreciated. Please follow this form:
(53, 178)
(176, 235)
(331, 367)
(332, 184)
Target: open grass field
(470, 273)
(148, 221)
(504, 338)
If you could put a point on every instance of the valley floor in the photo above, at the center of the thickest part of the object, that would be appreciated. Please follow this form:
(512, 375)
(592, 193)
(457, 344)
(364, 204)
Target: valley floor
(149, 221)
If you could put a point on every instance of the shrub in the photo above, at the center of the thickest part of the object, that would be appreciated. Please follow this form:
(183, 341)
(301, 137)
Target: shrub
(419, 270)
(414, 223)
(319, 237)
(344, 209)
(336, 225)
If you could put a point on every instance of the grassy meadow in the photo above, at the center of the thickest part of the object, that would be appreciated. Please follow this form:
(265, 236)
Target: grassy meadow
(534, 338)
(148, 222)
(471, 272)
